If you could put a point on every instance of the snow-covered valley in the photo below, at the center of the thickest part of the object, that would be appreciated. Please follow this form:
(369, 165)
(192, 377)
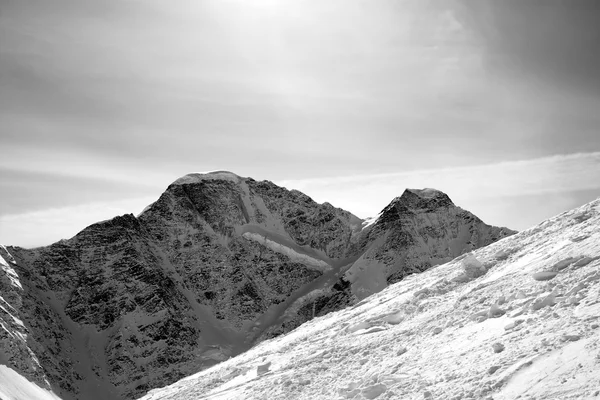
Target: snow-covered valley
(519, 318)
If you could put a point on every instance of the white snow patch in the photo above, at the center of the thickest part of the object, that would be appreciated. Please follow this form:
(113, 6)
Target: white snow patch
(5, 302)
(13, 386)
(145, 209)
(203, 176)
(427, 193)
(551, 375)
(370, 221)
(17, 320)
(367, 276)
(6, 329)
(292, 254)
(9, 271)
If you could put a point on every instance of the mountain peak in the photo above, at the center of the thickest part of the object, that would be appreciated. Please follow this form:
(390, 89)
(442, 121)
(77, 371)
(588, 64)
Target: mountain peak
(426, 193)
(427, 198)
(415, 201)
(203, 176)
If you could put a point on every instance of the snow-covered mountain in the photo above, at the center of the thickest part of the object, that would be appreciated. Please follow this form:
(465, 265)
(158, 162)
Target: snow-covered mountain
(217, 264)
(518, 319)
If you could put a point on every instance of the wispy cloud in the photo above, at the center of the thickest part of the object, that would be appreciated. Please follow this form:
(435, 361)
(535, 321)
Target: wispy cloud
(40, 228)
(82, 164)
(515, 194)
(96, 102)
(469, 187)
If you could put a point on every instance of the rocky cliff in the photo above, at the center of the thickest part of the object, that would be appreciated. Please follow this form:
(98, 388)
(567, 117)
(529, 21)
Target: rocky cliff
(518, 319)
(216, 264)
(416, 231)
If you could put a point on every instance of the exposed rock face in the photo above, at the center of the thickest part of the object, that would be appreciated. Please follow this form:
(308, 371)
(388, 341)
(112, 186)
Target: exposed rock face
(518, 319)
(416, 231)
(15, 348)
(216, 264)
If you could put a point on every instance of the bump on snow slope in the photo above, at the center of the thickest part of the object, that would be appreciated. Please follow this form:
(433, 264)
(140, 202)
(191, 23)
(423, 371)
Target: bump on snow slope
(519, 317)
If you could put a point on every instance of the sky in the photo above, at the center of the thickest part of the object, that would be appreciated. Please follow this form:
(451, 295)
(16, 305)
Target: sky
(104, 104)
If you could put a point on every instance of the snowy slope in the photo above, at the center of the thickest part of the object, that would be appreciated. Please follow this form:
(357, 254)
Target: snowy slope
(15, 387)
(517, 319)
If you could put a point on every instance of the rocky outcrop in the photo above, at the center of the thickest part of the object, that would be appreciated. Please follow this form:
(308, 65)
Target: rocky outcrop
(519, 319)
(418, 230)
(16, 348)
(216, 264)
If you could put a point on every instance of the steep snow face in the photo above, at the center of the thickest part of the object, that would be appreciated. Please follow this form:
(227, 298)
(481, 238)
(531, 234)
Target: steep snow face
(519, 318)
(15, 387)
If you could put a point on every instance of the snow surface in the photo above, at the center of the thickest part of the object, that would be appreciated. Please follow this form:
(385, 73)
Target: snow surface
(367, 276)
(9, 271)
(370, 221)
(14, 281)
(213, 175)
(290, 253)
(149, 206)
(427, 193)
(15, 387)
(517, 319)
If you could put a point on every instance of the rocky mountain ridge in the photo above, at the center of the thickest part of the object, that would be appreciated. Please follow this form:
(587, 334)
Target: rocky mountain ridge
(217, 264)
(518, 319)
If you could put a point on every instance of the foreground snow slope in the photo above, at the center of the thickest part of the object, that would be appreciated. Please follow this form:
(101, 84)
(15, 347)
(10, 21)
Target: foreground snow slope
(14, 386)
(519, 317)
